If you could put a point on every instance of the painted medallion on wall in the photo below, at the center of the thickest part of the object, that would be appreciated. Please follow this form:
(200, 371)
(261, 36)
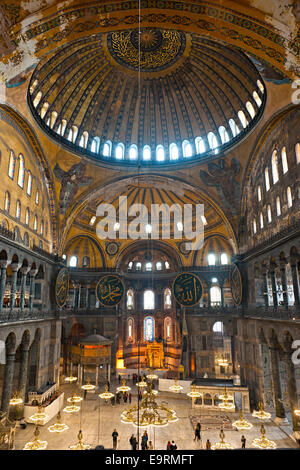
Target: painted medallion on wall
(62, 287)
(110, 290)
(187, 289)
(236, 284)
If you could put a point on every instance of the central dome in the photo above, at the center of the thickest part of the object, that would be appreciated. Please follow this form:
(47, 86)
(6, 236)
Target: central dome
(151, 96)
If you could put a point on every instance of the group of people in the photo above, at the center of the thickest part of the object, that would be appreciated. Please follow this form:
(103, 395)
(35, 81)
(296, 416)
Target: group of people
(145, 443)
(171, 445)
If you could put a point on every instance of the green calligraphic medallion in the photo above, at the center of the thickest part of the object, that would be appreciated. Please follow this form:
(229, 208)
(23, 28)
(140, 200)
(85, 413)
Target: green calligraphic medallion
(110, 290)
(62, 287)
(187, 289)
(236, 284)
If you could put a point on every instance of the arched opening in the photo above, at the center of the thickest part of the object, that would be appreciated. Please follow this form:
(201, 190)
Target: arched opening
(149, 332)
(167, 298)
(215, 296)
(187, 150)
(160, 153)
(149, 300)
(200, 145)
(130, 299)
(275, 167)
(133, 152)
(173, 151)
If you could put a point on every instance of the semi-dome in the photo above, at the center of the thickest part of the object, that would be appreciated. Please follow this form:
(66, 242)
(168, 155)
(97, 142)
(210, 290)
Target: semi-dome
(152, 96)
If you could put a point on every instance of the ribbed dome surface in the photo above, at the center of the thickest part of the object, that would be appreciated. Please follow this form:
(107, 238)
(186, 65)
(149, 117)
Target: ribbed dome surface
(90, 96)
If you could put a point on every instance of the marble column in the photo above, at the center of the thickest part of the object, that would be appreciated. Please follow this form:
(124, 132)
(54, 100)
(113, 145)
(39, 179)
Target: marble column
(78, 295)
(292, 388)
(295, 278)
(284, 284)
(3, 266)
(222, 293)
(280, 412)
(24, 270)
(8, 380)
(208, 295)
(274, 288)
(265, 286)
(32, 274)
(74, 295)
(14, 268)
(23, 373)
(97, 375)
(87, 295)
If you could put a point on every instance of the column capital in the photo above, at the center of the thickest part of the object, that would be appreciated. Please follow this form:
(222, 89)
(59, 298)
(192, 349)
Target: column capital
(33, 272)
(15, 267)
(3, 263)
(25, 269)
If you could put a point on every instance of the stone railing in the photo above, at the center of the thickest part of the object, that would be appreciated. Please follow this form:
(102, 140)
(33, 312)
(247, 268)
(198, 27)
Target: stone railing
(6, 233)
(17, 315)
(270, 313)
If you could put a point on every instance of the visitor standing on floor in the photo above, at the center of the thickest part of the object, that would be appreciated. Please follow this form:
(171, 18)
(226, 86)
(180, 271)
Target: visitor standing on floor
(173, 446)
(169, 445)
(130, 397)
(133, 442)
(197, 432)
(243, 440)
(208, 445)
(150, 446)
(115, 438)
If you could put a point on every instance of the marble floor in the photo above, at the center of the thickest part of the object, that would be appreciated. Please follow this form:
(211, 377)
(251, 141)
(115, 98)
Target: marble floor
(98, 423)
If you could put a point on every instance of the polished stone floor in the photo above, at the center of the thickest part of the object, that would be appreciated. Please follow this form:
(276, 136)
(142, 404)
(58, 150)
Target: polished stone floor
(98, 423)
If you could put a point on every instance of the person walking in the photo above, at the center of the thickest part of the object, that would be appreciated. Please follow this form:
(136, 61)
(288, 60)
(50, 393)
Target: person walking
(130, 397)
(146, 437)
(208, 445)
(173, 446)
(169, 445)
(115, 438)
(197, 432)
(243, 439)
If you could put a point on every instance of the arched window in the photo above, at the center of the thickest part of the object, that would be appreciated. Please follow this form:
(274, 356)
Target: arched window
(107, 149)
(130, 299)
(211, 259)
(167, 298)
(11, 165)
(243, 119)
(133, 152)
(146, 153)
(95, 145)
(168, 328)
(7, 202)
(26, 239)
(234, 127)
(35, 224)
(254, 226)
(289, 197)
(130, 264)
(215, 296)
(173, 151)
(21, 173)
(275, 167)
(73, 262)
(138, 266)
(27, 216)
(278, 206)
(267, 179)
(58, 130)
(29, 183)
(212, 141)
(148, 266)
(257, 99)
(64, 123)
(269, 213)
(37, 98)
(119, 151)
(160, 153)
(53, 119)
(33, 86)
(158, 266)
(260, 86)
(200, 145)
(44, 109)
(130, 329)
(149, 332)
(18, 210)
(42, 228)
(74, 133)
(297, 150)
(218, 327)
(261, 220)
(223, 134)
(92, 221)
(250, 109)
(259, 193)
(284, 161)
(148, 300)
(187, 150)
(37, 197)
(167, 265)
(224, 258)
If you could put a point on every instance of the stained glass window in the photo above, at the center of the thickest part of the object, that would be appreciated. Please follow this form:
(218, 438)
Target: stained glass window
(149, 329)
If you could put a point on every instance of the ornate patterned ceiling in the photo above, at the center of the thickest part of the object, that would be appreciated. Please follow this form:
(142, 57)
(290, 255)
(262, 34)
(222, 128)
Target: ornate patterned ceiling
(149, 88)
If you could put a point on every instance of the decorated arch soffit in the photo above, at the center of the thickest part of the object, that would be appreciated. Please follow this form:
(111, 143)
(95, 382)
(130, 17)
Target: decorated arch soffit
(108, 191)
(239, 25)
(26, 131)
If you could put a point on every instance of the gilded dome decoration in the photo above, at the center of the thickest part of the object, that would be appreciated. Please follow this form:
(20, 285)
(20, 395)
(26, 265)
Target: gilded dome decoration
(155, 96)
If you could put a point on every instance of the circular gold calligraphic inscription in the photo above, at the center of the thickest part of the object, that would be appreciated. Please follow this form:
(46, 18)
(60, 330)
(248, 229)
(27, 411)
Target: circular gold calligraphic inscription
(148, 50)
(187, 289)
(110, 290)
(236, 284)
(62, 287)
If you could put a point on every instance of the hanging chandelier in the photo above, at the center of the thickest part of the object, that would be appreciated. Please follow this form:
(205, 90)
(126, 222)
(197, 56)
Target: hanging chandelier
(36, 444)
(74, 398)
(58, 426)
(73, 408)
(222, 361)
(88, 386)
(261, 414)
(226, 401)
(80, 445)
(150, 413)
(142, 383)
(242, 424)
(124, 387)
(152, 376)
(15, 400)
(70, 378)
(194, 393)
(106, 395)
(222, 445)
(39, 416)
(263, 442)
(175, 388)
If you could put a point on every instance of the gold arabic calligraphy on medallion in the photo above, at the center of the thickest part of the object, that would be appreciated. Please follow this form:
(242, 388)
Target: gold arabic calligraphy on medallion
(187, 289)
(62, 287)
(110, 290)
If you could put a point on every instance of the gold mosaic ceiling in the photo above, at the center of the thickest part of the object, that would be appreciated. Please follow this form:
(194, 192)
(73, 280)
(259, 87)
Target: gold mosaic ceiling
(148, 88)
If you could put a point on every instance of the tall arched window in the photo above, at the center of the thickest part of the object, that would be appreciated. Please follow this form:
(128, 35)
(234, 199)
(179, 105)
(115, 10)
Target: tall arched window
(173, 151)
(27, 216)
(284, 161)
(243, 119)
(267, 179)
(138, 266)
(259, 193)
(224, 258)
(107, 149)
(211, 259)
(260, 86)
(269, 213)
(234, 127)
(73, 262)
(11, 165)
(130, 329)
(29, 183)
(37, 197)
(223, 134)
(200, 145)
(187, 150)
(120, 151)
(130, 299)
(148, 266)
(289, 197)
(149, 332)
(254, 226)
(44, 109)
(261, 220)
(158, 266)
(37, 98)
(167, 298)
(297, 150)
(250, 109)
(95, 145)
(278, 206)
(212, 141)
(64, 123)
(146, 153)
(148, 300)
(133, 152)
(218, 327)
(53, 119)
(35, 224)
(160, 153)
(167, 265)
(257, 99)
(168, 333)
(21, 173)
(42, 229)
(7, 202)
(275, 167)
(215, 296)
(18, 210)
